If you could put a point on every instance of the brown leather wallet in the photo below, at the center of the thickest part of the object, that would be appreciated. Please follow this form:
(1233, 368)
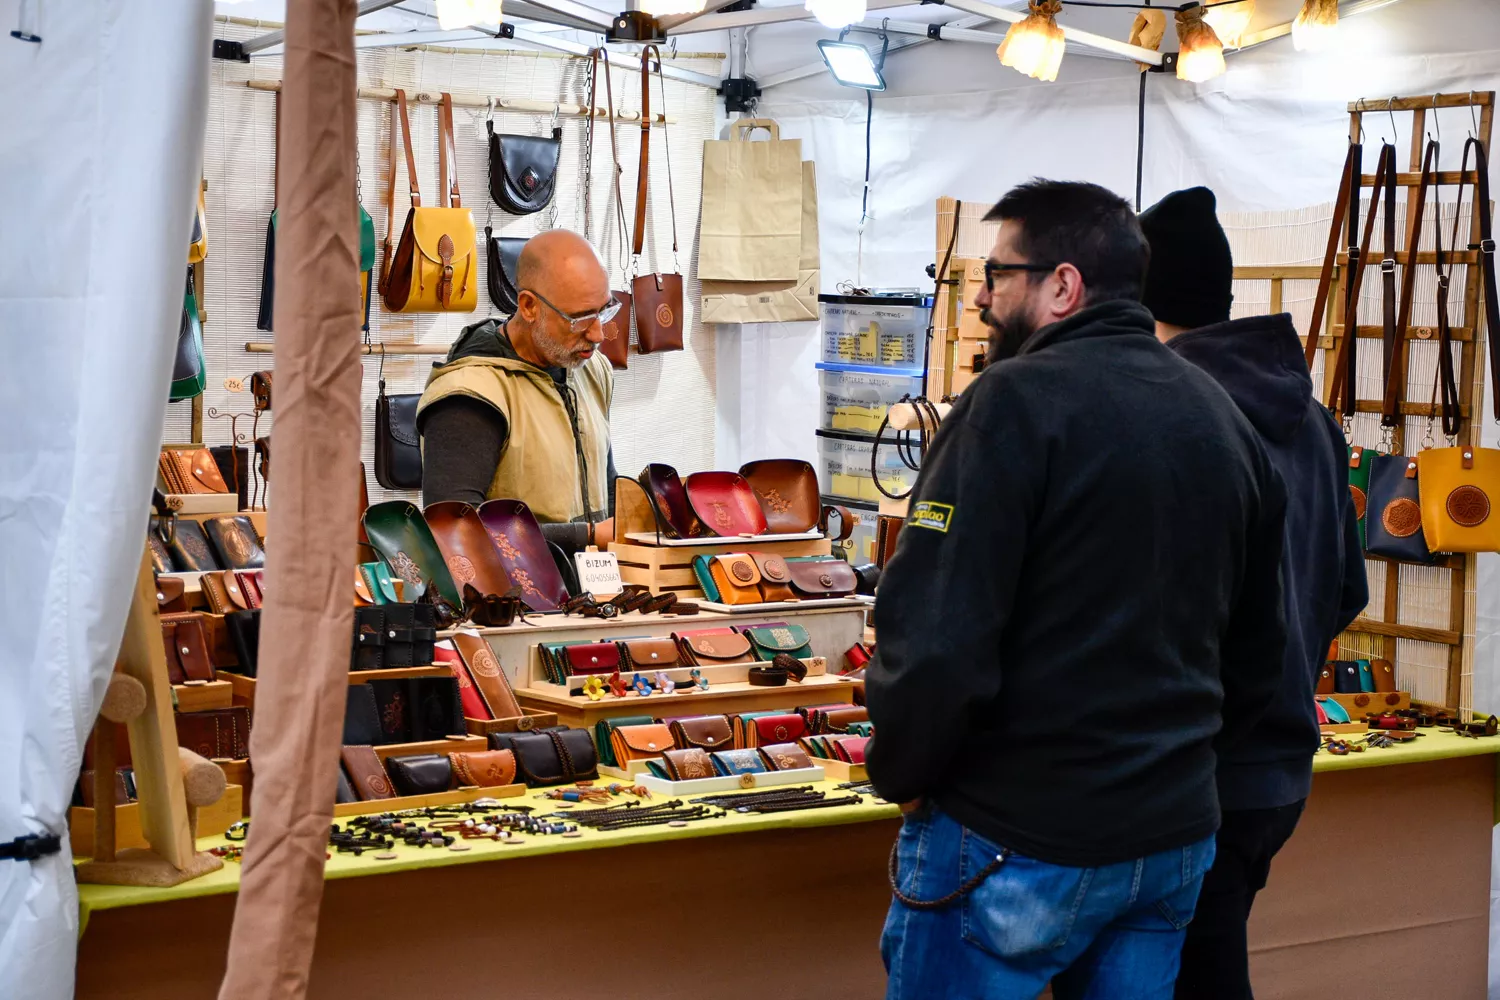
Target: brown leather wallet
(186, 646)
(785, 757)
(775, 577)
(222, 734)
(837, 720)
(737, 577)
(707, 732)
(686, 765)
(191, 471)
(494, 686)
(1385, 675)
(640, 742)
(363, 766)
(651, 654)
(224, 593)
(170, 591)
(712, 647)
(484, 769)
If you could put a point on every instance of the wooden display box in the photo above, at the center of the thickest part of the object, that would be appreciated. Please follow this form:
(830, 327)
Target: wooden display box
(670, 568)
(202, 505)
(456, 797)
(239, 772)
(719, 699)
(212, 822)
(531, 720)
(837, 770)
(448, 744)
(202, 696)
(1357, 705)
(244, 687)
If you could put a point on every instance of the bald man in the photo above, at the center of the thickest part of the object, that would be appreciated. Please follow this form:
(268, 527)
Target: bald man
(520, 410)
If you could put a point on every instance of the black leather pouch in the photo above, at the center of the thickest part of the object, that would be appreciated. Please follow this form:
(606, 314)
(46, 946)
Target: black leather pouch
(244, 635)
(554, 757)
(438, 710)
(1393, 515)
(1346, 676)
(398, 452)
(420, 774)
(504, 257)
(393, 711)
(390, 636)
(523, 169)
(361, 717)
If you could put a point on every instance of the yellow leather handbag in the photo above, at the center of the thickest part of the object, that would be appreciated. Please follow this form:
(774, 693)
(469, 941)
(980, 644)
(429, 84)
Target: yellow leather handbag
(434, 267)
(1458, 487)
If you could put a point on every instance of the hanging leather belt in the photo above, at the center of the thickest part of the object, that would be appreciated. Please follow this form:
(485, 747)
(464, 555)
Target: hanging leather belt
(1343, 388)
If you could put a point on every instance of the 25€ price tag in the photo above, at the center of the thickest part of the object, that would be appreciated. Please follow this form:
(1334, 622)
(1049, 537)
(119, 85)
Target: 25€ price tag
(598, 573)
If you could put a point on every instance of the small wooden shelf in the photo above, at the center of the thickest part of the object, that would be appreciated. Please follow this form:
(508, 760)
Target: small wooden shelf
(456, 797)
(203, 697)
(244, 687)
(719, 699)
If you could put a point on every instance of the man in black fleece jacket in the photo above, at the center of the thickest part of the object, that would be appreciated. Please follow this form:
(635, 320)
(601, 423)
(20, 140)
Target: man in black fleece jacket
(1084, 601)
(1265, 780)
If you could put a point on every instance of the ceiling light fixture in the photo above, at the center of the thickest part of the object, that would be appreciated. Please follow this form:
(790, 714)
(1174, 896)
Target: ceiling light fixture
(837, 14)
(1230, 20)
(455, 14)
(1200, 54)
(1034, 46)
(1147, 31)
(1314, 27)
(853, 65)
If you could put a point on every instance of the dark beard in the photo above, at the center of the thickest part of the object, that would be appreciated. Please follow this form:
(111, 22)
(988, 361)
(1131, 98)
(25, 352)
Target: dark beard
(1006, 335)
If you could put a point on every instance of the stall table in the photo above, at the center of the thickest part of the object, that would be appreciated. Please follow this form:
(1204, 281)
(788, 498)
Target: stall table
(1383, 891)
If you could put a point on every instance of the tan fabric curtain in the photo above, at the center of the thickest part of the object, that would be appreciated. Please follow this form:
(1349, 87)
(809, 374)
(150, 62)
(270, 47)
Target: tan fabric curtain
(308, 618)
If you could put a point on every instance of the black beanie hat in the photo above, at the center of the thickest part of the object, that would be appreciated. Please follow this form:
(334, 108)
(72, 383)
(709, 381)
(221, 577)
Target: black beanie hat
(1189, 281)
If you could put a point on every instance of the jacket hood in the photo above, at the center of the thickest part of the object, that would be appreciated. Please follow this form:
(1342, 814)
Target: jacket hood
(486, 339)
(1260, 363)
(1110, 318)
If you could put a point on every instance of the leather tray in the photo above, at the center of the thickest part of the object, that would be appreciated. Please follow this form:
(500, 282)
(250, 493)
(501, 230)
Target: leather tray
(787, 489)
(669, 499)
(523, 553)
(398, 532)
(467, 548)
(725, 503)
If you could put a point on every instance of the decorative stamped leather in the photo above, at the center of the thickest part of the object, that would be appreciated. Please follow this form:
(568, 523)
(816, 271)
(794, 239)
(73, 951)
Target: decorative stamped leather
(737, 578)
(774, 729)
(363, 766)
(651, 654)
(709, 732)
(489, 677)
(235, 541)
(725, 503)
(517, 538)
(190, 549)
(669, 502)
(466, 547)
(790, 639)
(689, 765)
(1401, 518)
(593, 658)
(485, 769)
(221, 734)
(734, 762)
(831, 577)
(787, 489)
(785, 757)
(714, 646)
(775, 577)
(640, 742)
(1468, 506)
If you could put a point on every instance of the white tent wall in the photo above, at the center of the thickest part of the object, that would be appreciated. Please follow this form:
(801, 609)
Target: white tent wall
(99, 163)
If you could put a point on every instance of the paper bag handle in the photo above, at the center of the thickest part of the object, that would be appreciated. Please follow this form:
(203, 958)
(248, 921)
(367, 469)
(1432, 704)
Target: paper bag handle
(752, 124)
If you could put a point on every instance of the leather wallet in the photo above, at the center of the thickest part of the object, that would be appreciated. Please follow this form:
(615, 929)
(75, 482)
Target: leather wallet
(485, 769)
(775, 577)
(703, 571)
(785, 757)
(252, 582)
(190, 471)
(604, 734)
(554, 659)
(555, 757)
(235, 541)
(1346, 676)
(1366, 676)
(1385, 675)
(836, 720)
(170, 595)
(420, 774)
(488, 676)
(361, 717)
(161, 558)
(713, 647)
(735, 762)
(850, 749)
(223, 733)
(367, 774)
(688, 765)
(887, 531)
(224, 593)
(737, 578)
(790, 639)
(640, 742)
(243, 628)
(394, 635)
(592, 658)
(186, 647)
(190, 549)
(380, 586)
(1325, 678)
(650, 654)
(822, 577)
(707, 732)
(468, 695)
(764, 730)
(433, 709)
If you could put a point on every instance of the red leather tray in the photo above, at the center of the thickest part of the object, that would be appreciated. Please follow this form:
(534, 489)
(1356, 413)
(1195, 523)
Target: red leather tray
(725, 503)
(466, 547)
(524, 554)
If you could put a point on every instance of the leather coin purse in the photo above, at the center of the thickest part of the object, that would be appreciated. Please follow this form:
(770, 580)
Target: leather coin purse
(592, 658)
(775, 577)
(224, 593)
(822, 577)
(1346, 676)
(1384, 673)
(850, 749)
(836, 720)
(640, 742)
(785, 757)
(420, 774)
(650, 654)
(790, 639)
(604, 735)
(730, 763)
(763, 730)
(688, 765)
(737, 578)
(186, 645)
(707, 732)
(485, 769)
(714, 647)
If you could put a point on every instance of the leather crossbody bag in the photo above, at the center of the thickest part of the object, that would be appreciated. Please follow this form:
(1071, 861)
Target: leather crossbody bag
(616, 344)
(398, 449)
(523, 169)
(188, 374)
(503, 254)
(432, 268)
(657, 297)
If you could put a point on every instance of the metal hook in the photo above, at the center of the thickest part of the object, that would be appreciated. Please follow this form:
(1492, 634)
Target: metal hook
(1390, 110)
(1359, 107)
(1437, 123)
(1473, 118)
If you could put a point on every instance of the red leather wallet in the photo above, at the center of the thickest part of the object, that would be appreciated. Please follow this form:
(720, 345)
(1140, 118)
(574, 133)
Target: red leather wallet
(593, 658)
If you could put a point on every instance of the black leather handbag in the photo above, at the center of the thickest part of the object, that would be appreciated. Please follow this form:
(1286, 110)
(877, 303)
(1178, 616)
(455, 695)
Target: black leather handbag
(523, 169)
(398, 452)
(504, 254)
(1393, 520)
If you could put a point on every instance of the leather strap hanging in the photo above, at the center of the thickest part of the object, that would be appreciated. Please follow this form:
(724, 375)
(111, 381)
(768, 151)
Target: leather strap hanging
(1348, 183)
(1343, 389)
(616, 344)
(1396, 365)
(658, 296)
(399, 121)
(447, 153)
(1486, 248)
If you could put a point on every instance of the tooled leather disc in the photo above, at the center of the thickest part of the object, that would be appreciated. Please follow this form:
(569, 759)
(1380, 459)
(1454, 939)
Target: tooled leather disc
(1402, 518)
(1358, 496)
(1468, 506)
(741, 571)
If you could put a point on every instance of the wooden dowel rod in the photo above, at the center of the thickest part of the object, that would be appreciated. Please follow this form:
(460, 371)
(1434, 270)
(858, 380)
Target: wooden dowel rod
(1414, 179)
(394, 347)
(1373, 257)
(472, 101)
(1478, 99)
(1272, 272)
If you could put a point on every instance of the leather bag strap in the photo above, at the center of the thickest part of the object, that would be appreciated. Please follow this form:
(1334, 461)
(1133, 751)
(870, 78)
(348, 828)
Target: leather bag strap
(1486, 248)
(597, 56)
(276, 153)
(447, 154)
(1330, 255)
(643, 173)
(1388, 273)
(1342, 391)
(399, 122)
(666, 146)
(1396, 363)
(1444, 378)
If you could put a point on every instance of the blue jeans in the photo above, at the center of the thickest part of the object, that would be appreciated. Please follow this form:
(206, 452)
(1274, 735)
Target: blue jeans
(1113, 932)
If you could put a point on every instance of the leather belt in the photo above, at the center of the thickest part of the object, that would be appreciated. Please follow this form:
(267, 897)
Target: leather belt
(767, 676)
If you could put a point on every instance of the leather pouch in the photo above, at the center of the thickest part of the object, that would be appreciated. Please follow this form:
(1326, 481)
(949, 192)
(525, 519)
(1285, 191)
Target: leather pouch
(223, 592)
(488, 676)
(170, 595)
(1346, 676)
(814, 578)
(1458, 487)
(785, 757)
(592, 658)
(523, 169)
(1359, 484)
(1366, 676)
(737, 578)
(361, 717)
(189, 546)
(379, 585)
(688, 765)
(244, 635)
(191, 471)
(252, 582)
(388, 636)
(790, 639)
(367, 774)
(787, 489)
(707, 732)
(398, 450)
(736, 762)
(725, 504)
(770, 729)
(604, 735)
(485, 769)
(221, 734)
(234, 469)
(437, 710)
(850, 749)
(703, 571)
(1325, 678)
(686, 639)
(420, 774)
(651, 654)
(556, 757)
(555, 659)
(1393, 527)
(1384, 673)
(503, 254)
(775, 578)
(640, 742)
(186, 646)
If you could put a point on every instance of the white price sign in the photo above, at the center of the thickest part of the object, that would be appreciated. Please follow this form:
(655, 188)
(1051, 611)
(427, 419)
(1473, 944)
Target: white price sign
(598, 573)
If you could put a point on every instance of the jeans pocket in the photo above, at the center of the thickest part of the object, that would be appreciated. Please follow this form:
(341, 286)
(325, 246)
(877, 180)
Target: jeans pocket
(911, 849)
(1178, 906)
(1024, 907)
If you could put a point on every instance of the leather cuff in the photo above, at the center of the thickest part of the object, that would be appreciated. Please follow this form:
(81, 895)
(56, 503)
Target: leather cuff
(767, 676)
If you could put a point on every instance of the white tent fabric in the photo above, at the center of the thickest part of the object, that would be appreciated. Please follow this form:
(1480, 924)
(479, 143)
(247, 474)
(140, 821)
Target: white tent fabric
(99, 162)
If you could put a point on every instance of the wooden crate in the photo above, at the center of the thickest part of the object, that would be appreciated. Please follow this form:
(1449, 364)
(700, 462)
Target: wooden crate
(532, 719)
(204, 696)
(670, 568)
(244, 687)
(212, 821)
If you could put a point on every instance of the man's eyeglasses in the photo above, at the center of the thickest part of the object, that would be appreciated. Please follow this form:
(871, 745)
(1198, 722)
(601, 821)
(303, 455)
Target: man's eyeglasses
(581, 322)
(992, 268)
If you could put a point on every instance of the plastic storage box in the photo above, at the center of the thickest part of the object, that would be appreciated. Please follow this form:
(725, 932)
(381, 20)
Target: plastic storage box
(859, 548)
(879, 330)
(856, 398)
(844, 469)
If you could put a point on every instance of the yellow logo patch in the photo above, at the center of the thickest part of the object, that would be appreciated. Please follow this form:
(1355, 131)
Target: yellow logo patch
(927, 514)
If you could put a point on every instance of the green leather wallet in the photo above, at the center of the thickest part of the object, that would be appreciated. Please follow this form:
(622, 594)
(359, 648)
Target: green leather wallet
(378, 580)
(706, 578)
(790, 639)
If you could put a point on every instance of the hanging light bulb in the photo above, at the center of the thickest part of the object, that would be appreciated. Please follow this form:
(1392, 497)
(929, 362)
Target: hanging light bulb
(1229, 21)
(455, 14)
(1147, 31)
(837, 14)
(1315, 23)
(1200, 54)
(1035, 46)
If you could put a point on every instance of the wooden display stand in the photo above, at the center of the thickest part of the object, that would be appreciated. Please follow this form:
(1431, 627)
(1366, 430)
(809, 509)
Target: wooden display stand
(670, 568)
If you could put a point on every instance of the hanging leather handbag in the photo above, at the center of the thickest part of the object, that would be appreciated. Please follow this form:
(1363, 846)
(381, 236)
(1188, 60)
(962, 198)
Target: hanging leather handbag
(504, 256)
(657, 297)
(398, 532)
(616, 344)
(523, 552)
(433, 267)
(466, 547)
(523, 169)
(1359, 484)
(398, 449)
(188, 374)
(725, 504)
(787, 489)
(1394, 525)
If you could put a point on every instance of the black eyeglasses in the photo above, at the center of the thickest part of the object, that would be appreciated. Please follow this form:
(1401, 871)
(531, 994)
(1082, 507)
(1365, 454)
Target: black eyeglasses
(581, 322)
(992, 268)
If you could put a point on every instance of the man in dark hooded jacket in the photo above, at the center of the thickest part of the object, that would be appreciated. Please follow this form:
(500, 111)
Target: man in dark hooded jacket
(1263, 780)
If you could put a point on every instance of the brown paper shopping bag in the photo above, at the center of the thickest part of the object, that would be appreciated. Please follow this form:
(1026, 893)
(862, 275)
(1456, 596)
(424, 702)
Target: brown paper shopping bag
(752, 204)
(774, 301)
